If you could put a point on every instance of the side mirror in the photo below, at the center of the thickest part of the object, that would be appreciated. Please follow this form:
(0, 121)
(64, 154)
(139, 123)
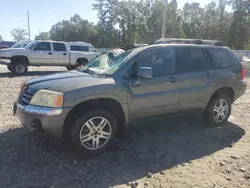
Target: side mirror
(144, 73)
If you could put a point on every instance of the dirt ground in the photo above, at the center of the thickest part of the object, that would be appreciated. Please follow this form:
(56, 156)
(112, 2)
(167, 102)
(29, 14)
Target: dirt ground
(175, 152)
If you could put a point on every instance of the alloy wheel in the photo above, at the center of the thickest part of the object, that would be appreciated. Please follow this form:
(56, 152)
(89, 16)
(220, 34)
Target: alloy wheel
(95, 133)
(220, 110)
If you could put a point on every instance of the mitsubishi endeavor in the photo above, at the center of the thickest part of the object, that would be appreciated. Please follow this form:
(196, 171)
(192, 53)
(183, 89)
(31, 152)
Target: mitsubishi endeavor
(90, 106)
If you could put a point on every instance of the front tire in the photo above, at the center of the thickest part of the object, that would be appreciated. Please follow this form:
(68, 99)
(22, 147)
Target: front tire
(19, 68)
(218, 110)
(94, 132)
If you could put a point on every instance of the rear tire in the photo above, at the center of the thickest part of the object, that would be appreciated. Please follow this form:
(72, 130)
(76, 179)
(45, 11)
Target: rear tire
(218, 110)
(94, 132)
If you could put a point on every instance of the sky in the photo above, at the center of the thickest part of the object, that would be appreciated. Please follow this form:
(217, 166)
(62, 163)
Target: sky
(45, 13)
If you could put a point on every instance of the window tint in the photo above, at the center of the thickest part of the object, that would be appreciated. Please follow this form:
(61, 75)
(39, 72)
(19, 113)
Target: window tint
(221, 57)
(161, 60)
(25, 45)
(43, 46)
(191, 59)
(79, 48)
(59, 47)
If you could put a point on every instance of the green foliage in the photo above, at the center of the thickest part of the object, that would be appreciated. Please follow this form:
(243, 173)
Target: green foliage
(19, 34)
(42, 36)
(126, 22)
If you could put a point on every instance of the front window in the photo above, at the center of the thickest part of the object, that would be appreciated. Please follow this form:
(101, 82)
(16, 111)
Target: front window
(109, 63)
(43, 46)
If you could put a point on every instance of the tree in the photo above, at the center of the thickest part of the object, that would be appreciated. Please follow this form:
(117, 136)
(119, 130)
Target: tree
(42, 36)
(74, 29)
(125, 22)
(19, 34)
(240, 26)
(1, 38)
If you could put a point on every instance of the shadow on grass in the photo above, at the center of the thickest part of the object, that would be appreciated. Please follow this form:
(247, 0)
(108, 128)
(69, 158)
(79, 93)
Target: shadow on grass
(156, 146)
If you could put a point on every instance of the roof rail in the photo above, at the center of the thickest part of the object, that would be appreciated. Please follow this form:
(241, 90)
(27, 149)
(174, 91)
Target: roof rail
(189, 41)
(132, 46)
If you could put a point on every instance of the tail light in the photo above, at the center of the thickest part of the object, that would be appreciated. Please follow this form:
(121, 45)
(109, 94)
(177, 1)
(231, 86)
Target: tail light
(242, 74)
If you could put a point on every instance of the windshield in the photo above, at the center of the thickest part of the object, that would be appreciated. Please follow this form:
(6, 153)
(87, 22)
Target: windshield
(30, 45)
(17, 45)
(108, 63)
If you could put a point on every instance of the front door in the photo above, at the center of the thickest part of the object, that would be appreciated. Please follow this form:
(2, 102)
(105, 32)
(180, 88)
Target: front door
(159, 95)
(198, 77)
(41, 54)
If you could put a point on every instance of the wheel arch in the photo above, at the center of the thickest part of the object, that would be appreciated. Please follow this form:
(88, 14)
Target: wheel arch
(20, 57)
(110, 104)
(223, 90)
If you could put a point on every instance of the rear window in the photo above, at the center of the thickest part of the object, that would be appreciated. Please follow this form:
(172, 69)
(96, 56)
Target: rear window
(59, 47)
(191, 59)
(222, 57)
(79, 48)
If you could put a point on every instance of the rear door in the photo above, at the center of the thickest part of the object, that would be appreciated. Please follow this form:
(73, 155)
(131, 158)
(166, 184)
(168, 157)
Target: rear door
(161, 94)
(41, 54)
(198, 76)
(60, 54)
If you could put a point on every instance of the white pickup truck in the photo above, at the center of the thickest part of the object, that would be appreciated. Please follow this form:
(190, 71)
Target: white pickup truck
(45, 53)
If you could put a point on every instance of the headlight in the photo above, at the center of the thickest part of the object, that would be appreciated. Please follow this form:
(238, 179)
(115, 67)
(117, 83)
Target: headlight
(47, 98)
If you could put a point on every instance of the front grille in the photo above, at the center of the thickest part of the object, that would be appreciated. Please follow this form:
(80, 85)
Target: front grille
(25, 97)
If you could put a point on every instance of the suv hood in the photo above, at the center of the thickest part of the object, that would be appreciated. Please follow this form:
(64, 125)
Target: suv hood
(68, 81)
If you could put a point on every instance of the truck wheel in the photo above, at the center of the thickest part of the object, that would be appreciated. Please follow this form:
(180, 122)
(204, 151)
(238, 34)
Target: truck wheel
(94, 132)
(218, 110)
(20, 68)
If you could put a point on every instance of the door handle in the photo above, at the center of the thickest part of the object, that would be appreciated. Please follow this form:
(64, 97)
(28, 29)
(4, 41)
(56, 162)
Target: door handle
(172, 79)
(64, 54)
(50, 53)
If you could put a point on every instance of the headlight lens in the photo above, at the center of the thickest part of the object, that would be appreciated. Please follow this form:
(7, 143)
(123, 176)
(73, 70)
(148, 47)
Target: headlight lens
(47, 98)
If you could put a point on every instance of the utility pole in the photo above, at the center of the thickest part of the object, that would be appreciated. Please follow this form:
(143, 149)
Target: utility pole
(28, 16)
(163, 31)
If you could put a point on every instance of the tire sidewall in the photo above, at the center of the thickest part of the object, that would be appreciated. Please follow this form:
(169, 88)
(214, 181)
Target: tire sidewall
(75, 131)
(211, 119)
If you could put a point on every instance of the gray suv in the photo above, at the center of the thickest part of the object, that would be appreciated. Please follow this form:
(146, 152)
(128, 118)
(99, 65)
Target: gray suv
(91, 106)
